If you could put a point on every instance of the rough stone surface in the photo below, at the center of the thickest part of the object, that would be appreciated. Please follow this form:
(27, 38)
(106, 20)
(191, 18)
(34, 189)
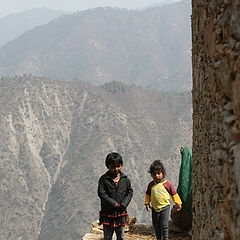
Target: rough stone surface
(136, 231)
(216, 119)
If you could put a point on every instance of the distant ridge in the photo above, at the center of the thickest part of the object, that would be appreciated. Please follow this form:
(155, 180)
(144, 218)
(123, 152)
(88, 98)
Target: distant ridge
(151, 48)
(162, 3)
(15, 24)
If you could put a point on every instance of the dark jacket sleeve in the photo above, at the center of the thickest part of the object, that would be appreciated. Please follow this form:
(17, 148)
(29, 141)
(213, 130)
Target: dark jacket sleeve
(103, 194)
(129, 194)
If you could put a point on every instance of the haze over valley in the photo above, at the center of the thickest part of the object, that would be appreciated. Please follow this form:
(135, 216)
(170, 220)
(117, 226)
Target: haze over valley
(150, 48)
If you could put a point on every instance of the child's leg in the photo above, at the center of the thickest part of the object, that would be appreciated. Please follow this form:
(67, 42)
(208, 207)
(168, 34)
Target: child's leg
(156, 224)
(164, 220)
(119, 232)
(107, 232)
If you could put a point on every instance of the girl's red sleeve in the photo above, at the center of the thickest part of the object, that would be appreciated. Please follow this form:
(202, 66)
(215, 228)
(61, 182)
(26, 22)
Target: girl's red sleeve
(171, 190)
(148, 193)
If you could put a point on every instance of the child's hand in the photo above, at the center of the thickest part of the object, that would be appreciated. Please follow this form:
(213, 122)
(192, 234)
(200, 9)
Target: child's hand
(117, 204)
(148, 207)
(179, 207)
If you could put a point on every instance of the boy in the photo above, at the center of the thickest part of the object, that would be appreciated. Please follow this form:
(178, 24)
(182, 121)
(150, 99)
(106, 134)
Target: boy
(115, 192)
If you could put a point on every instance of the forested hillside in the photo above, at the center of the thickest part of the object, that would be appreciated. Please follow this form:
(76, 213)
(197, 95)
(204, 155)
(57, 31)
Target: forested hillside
(150, 48)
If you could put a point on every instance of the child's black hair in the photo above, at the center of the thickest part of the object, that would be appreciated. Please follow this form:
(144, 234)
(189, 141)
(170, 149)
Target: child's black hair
(156, 166)
(113, 158)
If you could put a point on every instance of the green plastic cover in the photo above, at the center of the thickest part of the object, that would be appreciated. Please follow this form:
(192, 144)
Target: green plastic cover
(184, 188)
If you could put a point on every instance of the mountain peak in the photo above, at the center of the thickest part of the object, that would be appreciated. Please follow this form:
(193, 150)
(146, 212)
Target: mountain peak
(151, 48)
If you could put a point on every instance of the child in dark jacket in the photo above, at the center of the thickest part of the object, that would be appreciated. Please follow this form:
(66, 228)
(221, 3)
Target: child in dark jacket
(115, 192)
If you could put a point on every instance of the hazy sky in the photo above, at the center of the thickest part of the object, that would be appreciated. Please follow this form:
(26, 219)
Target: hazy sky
(13, 6)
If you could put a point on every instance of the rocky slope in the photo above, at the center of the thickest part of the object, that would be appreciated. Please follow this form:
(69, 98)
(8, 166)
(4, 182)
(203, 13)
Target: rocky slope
(54, 140)
(151, 48)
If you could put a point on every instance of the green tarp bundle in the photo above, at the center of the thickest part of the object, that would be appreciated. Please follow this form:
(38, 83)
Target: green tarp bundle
(183, 218)
(184, 188)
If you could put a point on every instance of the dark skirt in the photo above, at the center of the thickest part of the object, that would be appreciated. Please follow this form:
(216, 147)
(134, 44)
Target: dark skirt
(114, 219)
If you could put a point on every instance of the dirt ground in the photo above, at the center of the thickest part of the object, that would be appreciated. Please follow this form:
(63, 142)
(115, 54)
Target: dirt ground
(142, 237)
(138, 232)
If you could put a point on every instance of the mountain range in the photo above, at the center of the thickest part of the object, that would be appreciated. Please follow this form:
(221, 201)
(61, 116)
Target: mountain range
(14, 25)
(150, 48)
(54, 138)
(76, 88)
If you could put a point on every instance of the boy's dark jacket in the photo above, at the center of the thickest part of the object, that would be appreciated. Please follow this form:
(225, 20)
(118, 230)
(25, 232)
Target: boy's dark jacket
(110, 194)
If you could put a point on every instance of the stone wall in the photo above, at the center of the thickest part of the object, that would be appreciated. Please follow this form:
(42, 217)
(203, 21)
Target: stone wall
(216, 119)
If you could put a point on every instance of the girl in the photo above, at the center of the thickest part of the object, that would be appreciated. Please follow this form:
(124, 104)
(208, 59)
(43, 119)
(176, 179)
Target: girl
(158, 193)
(115, 192)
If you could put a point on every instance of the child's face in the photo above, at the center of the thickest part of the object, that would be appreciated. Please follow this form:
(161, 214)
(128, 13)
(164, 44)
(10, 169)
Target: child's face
(157, 176)
(115, 169)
